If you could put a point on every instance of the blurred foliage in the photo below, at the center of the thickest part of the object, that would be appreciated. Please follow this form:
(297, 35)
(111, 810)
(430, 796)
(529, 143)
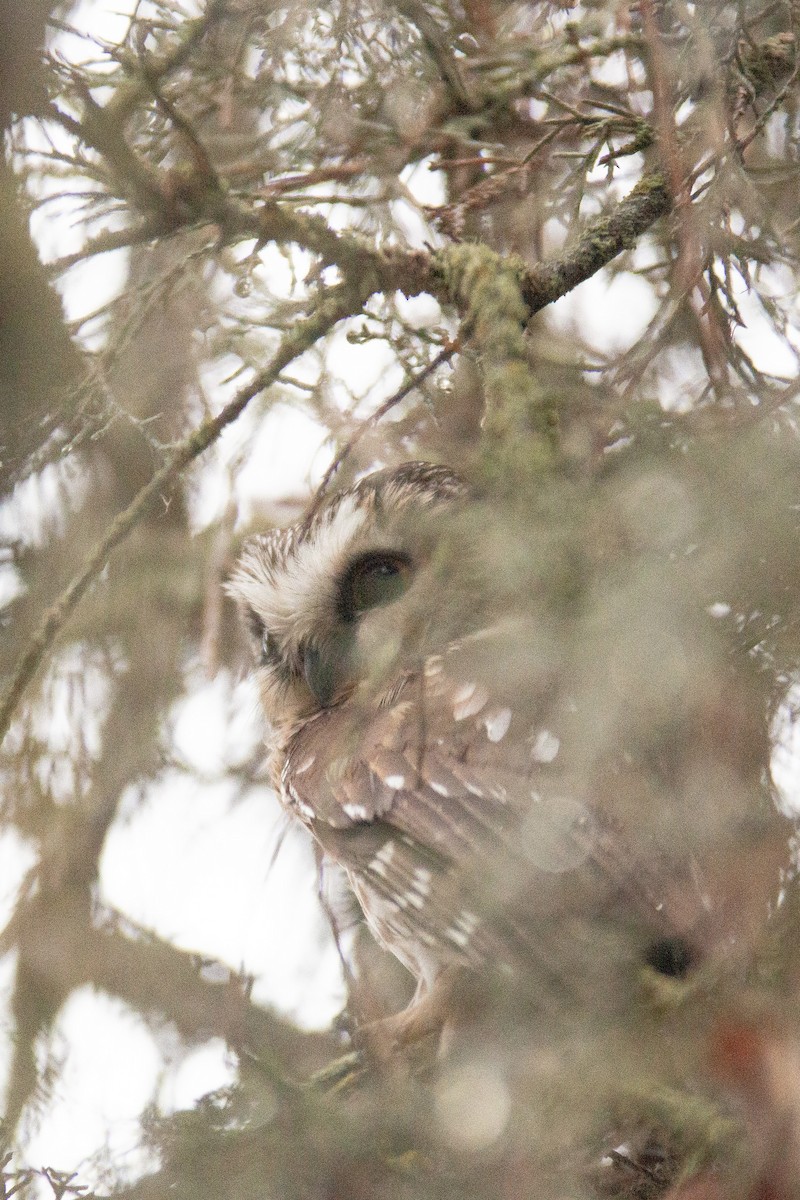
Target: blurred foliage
(308, 205)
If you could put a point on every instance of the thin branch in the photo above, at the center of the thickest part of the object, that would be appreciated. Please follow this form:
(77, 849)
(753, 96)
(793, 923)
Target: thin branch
(437, 42)
(688, 266)
(342, 303)
(109, 240)
(416, 380)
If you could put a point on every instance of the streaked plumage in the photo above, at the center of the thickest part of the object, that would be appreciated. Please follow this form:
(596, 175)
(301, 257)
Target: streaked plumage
(414, 739)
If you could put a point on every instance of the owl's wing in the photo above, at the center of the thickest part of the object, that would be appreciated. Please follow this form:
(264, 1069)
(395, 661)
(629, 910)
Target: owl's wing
(433, 802)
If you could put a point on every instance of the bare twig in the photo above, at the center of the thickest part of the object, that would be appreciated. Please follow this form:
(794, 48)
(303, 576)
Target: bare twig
(687, 267)
(688, 271)
(416, 381)
(335, 307)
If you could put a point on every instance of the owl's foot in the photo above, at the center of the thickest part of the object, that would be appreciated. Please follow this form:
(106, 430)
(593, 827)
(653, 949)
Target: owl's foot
(425, 1019)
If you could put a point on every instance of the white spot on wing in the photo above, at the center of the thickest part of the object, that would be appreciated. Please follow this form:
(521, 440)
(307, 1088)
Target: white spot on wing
(468, 921)
(395, 781)
(545, 747)
(468, 701)
(719, 610)
(497, 723)
(463, 928)
(357, 812)
(474, 788)
(422, 881)
(305, 810)
(382, 859)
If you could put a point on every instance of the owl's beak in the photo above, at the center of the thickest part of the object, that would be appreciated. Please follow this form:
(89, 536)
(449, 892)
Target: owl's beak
(320, 675)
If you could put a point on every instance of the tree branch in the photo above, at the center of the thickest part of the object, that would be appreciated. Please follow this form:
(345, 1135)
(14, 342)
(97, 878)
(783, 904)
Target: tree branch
(601, 242)
(335, 307)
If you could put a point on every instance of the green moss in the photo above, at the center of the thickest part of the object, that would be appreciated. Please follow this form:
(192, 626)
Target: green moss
(521, 419)
(700, 1132)
(767, 63)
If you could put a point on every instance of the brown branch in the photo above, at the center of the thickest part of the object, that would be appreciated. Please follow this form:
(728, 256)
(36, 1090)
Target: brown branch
(343, 303)
(440, 50)
(688, 269)
(689, 264)
(600, 243)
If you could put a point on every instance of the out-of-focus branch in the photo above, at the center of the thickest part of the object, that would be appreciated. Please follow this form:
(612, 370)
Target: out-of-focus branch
(60, 949)
(435, 40)
(688, 270)
(510, 71)
(190, 33)
(342, 302)
(37, 359)
(21, 35)
(157, 978)
(442, 357)
(109, 240)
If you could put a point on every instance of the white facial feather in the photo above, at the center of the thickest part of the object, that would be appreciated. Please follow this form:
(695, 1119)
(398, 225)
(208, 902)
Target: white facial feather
(289, 578)
(290, 582)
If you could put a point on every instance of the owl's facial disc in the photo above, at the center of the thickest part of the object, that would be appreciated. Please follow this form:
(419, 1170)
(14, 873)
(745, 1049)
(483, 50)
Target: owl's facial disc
(326, 600)
(326, 660)
(371, 580)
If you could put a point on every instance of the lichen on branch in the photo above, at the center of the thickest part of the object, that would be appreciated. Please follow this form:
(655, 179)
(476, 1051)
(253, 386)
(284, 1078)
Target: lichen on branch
(519, 423)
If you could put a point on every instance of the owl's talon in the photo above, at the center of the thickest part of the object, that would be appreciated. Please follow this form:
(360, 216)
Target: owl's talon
(426, 1017)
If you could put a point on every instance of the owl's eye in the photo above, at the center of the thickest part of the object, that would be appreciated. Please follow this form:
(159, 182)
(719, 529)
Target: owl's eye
(374, 579)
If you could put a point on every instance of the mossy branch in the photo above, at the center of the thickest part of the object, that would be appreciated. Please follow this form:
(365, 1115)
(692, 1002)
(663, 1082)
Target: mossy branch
(498, 295)
(599, 245)
(489, 289)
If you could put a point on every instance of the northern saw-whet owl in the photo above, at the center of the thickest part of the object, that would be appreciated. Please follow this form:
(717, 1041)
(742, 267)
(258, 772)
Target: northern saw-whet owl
(421, 732)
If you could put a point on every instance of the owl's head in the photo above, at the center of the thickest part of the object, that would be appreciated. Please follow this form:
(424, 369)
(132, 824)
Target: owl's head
(330, 602)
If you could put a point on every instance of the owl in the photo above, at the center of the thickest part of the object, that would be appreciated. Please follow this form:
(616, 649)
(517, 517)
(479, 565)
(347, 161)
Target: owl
(414, 669)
